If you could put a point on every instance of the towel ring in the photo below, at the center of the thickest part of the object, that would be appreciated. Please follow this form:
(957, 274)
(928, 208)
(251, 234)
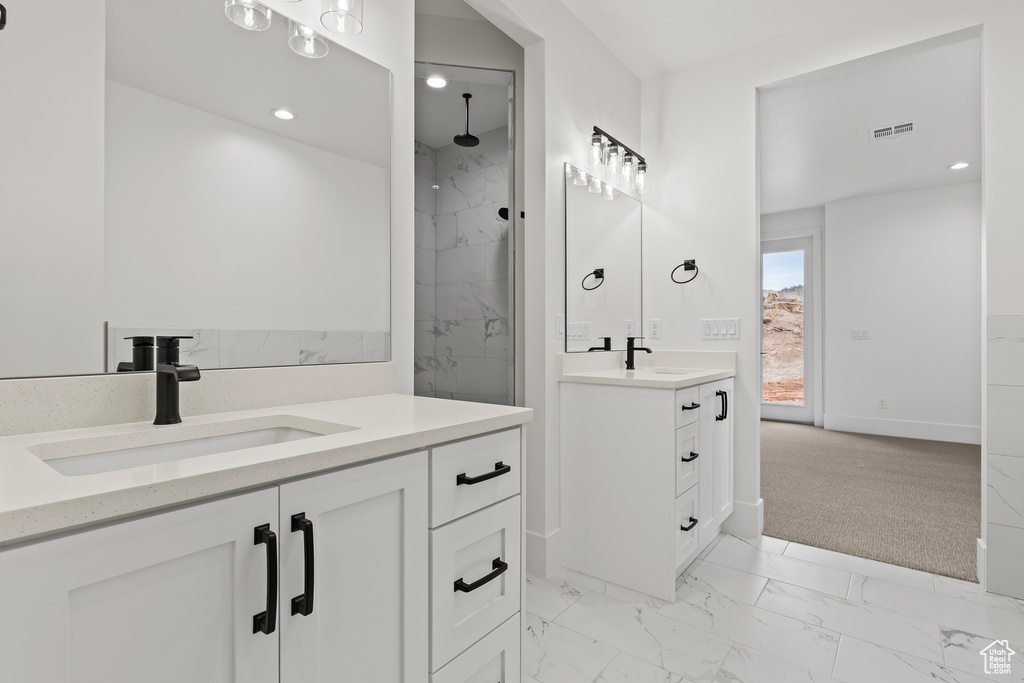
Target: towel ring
(598, 274)
(690, 264)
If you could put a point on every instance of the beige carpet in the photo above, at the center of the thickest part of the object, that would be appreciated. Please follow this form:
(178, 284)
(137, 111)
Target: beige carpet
(908, 502)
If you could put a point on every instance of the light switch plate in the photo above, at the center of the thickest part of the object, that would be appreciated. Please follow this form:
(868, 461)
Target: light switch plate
(559, 326)
(720, 328)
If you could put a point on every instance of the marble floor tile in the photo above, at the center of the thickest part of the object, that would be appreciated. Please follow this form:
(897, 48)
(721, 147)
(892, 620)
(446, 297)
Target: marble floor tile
(628, 669)
(747, 665)
(656, 639)
(860, 565)
(972, 592)
(863, 662)
(711, 546)
(788, 638)
(765, 543)
(972, 617)
(1005, 490)
(868, 622)
(620, 593)
(553, 654)
(701, 577)
(549, 597)
(962, 651)
(734, 553)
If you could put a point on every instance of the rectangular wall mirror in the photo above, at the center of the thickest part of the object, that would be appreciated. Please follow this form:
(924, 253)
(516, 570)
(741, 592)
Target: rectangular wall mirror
(266, 240)
(602, 262)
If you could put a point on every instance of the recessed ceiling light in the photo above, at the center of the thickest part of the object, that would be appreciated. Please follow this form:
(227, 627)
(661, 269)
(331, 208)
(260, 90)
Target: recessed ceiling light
(436, 82)
(958, 165)
(283, 114)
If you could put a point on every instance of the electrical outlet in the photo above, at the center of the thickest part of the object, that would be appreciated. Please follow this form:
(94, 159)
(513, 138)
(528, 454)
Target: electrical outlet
(883, 403)
(559, 326)
(630, 326)
(655, 328)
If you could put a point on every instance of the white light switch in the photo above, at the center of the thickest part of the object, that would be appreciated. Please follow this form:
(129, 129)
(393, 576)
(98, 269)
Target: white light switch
(559, 326)
(721, 328)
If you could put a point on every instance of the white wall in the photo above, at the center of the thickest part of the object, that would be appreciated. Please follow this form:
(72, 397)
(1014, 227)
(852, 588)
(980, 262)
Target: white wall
(700, 129)
(907, 268)
(198, 234)
(51, 190)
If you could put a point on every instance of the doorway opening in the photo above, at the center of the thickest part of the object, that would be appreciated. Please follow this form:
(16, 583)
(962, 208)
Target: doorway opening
(464, 299)
(864, 337)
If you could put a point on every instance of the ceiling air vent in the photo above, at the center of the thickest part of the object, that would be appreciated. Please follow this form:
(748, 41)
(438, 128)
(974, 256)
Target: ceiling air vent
(894, 131)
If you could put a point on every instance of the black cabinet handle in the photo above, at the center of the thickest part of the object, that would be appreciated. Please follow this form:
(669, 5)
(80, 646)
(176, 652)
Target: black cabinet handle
(499, 569)
(500, 468)
(266, 622)
(303, 604)
(693, 456)
(693, 523)
(692, 406)
(725, 406)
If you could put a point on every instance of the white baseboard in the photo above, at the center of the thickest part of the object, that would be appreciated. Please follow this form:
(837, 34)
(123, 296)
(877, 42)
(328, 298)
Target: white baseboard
(907, 429)
(542, 556)
(746, 520)
(982, 564)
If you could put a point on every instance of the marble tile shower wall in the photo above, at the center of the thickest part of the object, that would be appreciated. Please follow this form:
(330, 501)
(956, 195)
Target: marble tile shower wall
(212, 348)
(462, 283)
(1005, 461)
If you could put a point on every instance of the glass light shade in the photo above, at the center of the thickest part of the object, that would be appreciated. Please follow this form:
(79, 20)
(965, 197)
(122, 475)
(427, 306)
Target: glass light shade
(595, 185)
(628, 171)
(642, 185)
(248, 14)
(611, 163)
(595, 152)
(580, 178)
(344, 17)
(609, 192)
(305, 42)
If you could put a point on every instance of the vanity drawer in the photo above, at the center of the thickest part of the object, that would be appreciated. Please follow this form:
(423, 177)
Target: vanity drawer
(494, 659)
(687, 455)
(465, 604)
(687, 404)
(686, 528)
(472, 474)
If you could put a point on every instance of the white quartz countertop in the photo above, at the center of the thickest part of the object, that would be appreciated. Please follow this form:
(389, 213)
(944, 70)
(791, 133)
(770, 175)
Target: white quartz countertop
(35, 499)
(658, 370)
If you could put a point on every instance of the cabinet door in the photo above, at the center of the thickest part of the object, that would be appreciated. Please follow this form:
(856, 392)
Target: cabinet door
(369, 552)
(723, 450)
(162, 599)
(716, 463)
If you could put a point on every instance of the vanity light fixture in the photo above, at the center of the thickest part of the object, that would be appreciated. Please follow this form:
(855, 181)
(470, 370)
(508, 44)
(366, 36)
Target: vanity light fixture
(436, 82)
(305, 42)
(344, 17)
(248, 14)
(620, 166)
(282, 114)
(958, 166)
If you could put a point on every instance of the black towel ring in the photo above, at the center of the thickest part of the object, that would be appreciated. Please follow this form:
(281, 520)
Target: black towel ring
(690, 264)
(3, 17)
(598, 274)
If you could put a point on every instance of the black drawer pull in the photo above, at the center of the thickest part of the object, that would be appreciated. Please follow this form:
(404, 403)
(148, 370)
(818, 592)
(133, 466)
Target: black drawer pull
(693, 523)
(303, 604)
(725, 406)
(499, 569)
(500, 468)
(692, 406)
(266, 622)
(693, 456)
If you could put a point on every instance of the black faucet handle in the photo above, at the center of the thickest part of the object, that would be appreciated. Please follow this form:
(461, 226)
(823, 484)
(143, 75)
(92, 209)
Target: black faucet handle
(170, 341)
(167, 348)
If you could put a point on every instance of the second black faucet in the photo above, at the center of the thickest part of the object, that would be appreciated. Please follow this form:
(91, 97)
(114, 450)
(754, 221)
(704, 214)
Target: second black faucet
(630, 349)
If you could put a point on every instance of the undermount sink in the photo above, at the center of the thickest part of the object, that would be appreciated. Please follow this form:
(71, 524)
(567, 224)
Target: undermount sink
(674, 371)
(108, 454)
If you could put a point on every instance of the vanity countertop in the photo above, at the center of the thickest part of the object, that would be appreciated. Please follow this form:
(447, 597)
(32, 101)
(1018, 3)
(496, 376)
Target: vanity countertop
(658, 370)
(36, 499)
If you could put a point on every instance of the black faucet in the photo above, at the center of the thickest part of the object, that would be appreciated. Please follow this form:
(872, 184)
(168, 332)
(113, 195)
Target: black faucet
(607, 345)
(630, 349)
(142, 356)
(168, 373)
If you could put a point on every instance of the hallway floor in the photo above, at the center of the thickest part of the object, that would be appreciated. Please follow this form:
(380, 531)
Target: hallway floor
(770, 612)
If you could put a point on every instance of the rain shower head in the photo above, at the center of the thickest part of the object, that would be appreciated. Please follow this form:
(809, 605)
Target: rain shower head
(467, 140)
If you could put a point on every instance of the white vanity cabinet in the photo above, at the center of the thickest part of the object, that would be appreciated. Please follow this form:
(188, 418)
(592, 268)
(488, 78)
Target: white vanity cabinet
(476, 559)
(647, 479)
(181, 595)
